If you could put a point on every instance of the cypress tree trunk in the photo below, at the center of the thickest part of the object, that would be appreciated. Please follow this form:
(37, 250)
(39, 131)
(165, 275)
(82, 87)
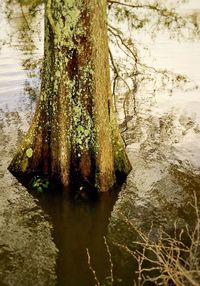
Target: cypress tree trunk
(74, 134)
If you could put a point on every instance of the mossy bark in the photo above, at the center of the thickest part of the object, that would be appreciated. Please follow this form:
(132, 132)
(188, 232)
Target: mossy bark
(74, 133)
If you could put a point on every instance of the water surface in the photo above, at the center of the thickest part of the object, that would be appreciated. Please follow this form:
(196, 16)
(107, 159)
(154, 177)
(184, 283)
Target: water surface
(163, 146)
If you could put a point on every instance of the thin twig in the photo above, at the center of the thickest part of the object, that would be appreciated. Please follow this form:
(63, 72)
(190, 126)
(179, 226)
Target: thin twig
(92, 269)
(23, 14)
(110, 262)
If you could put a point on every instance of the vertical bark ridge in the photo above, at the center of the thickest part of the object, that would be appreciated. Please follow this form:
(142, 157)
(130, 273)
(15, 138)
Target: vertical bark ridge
(104, 155)
(64, 138)
(74, 133)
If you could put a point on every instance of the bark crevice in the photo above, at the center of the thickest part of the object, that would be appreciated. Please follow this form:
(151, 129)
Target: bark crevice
(74, 135)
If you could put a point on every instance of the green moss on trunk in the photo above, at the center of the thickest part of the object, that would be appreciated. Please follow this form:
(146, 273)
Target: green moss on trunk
(74, 134)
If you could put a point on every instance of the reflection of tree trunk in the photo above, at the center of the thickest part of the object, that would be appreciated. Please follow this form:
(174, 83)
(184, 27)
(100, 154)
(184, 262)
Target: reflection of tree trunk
(74, 133)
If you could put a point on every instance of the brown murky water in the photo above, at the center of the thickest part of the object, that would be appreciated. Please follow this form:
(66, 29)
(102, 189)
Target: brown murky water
(163, 145)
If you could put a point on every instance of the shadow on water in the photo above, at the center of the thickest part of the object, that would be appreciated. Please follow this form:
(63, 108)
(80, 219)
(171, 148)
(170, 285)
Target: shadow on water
(164, 150)
(79, 223)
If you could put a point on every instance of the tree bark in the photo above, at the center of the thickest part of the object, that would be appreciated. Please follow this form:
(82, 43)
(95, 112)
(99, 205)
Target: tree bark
(74, 134)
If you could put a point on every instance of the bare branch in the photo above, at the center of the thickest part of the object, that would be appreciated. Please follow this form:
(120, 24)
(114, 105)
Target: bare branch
(92, 269)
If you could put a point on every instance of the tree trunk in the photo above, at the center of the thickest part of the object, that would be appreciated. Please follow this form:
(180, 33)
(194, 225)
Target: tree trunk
(74, 134)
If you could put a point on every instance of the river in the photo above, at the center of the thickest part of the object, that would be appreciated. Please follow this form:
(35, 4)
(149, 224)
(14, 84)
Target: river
(43, 238)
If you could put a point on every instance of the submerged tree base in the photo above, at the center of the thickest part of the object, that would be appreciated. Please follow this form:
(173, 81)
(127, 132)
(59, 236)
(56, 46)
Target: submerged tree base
(78, 184)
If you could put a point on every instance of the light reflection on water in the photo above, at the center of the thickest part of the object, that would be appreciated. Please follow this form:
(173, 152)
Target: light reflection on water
(165, 153)
(27, 250)
(163, 145)
(19, 46)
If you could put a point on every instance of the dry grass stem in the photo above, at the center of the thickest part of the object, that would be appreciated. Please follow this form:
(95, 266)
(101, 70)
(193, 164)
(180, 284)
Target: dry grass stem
(97, 283)
(171, 261)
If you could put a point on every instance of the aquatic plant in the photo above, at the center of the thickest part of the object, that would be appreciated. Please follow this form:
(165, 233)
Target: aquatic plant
(39, 184)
